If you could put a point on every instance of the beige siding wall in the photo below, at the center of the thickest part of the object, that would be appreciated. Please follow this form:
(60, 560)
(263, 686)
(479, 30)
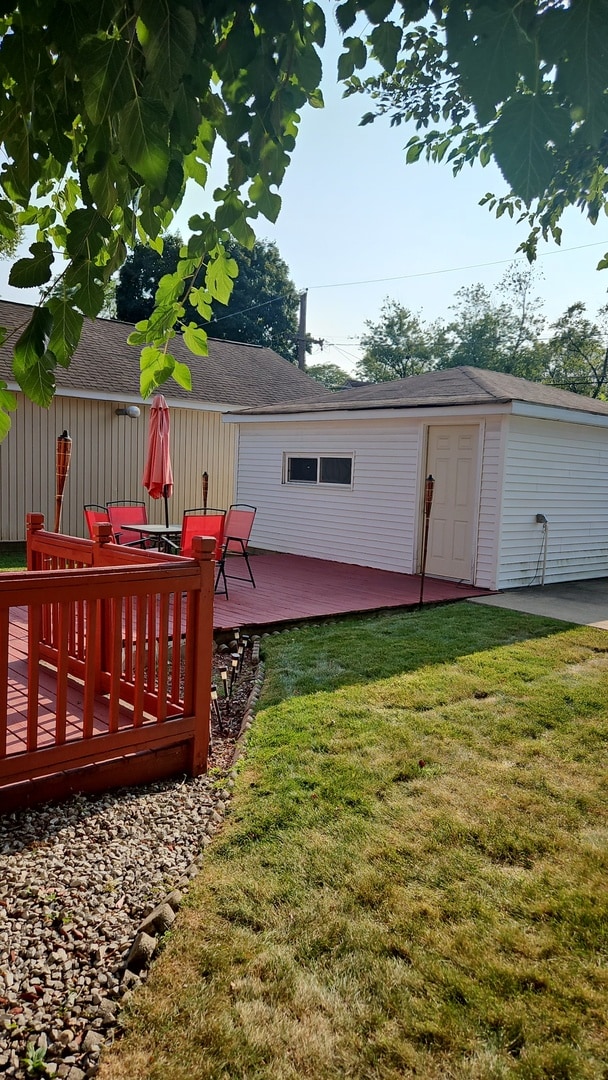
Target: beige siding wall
(561, 471)
(107, 461)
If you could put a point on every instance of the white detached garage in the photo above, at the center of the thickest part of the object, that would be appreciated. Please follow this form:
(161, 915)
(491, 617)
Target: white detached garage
(521, 478)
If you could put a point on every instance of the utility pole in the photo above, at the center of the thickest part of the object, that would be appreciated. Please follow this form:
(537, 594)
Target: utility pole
(301, 339)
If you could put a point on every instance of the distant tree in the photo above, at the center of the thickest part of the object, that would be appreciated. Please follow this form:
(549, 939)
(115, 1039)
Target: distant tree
(263, 306)
(499, 330)
(396, 346)
(139, 277)
(330, 375)
(577, 352)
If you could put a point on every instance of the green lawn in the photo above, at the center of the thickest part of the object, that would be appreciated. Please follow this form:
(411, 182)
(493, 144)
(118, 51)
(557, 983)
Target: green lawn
(12, 557)
(412, 882)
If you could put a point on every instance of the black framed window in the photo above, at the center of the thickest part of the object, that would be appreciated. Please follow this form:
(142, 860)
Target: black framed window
(325, 469)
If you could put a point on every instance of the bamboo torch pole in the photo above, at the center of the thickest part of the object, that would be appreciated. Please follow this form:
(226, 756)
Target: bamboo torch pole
(428, 502)
(62, 467)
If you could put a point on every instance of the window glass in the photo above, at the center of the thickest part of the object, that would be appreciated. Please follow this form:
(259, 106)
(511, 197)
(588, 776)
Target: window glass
(336, 470)
(302, 470)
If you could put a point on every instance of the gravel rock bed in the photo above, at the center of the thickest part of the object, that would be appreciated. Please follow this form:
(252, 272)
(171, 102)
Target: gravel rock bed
(79, 881)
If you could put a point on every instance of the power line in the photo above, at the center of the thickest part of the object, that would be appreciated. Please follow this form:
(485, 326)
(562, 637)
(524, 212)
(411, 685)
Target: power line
(453, 269)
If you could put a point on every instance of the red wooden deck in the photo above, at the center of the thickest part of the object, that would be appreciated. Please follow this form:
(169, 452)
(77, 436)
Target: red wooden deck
(290, 588)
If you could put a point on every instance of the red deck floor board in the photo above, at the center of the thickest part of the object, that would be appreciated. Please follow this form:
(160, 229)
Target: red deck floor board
(289, 589)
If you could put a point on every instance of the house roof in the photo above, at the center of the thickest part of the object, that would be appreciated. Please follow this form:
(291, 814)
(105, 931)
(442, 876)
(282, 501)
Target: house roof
(232, 374)
(455, 386)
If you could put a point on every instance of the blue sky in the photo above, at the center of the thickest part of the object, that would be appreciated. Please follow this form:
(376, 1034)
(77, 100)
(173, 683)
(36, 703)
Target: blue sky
(358, 225)
(354, 212)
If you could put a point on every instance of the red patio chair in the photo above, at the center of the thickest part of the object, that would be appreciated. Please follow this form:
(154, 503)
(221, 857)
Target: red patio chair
(203, 522)
(123, 512)
(94, 513)
(239, 523)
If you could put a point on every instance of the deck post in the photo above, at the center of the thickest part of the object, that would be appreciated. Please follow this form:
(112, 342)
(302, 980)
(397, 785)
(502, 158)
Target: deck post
(202, 626)
(33, 523)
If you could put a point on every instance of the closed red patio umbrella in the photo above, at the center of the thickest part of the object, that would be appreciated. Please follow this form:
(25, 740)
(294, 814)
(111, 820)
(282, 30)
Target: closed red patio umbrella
(158, 475)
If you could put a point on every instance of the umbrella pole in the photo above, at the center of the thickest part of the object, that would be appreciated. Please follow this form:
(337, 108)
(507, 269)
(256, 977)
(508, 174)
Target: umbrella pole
(205, 489)
(166, 498)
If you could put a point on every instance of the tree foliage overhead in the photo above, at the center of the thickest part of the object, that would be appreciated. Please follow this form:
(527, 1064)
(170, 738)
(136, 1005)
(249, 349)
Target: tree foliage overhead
(107, 109)
(523, 82)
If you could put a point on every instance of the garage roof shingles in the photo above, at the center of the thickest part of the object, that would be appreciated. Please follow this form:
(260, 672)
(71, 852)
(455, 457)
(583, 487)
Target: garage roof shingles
(454, 386)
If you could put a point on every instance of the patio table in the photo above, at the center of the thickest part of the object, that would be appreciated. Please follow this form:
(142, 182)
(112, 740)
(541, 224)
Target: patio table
(161, 533)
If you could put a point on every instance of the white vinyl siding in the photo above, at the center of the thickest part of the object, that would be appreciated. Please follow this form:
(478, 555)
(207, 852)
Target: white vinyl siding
(371, 524)
(107, 461)
(559, 470)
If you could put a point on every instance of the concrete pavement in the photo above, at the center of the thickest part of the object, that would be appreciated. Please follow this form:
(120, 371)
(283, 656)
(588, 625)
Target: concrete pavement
(584, 602)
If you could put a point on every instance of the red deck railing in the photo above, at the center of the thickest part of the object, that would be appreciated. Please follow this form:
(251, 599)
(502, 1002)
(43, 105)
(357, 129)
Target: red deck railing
(125, 635)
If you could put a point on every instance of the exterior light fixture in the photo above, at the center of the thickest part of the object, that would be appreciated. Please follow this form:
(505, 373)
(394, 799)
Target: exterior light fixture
(132, 411)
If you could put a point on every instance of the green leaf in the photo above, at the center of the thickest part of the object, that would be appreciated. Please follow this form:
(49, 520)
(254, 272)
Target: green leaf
(386, 42)
(106, 77)
(156, 366)
(346, 14)
(242, 231)
(581, 76)
(88, 290)
(167, 32)
(8, 403)
(87, 232)
(67, 328)
(195, 339)
(8, 225)
(218, 277)
(354, 57)
(414, 151)
(182, 375)
(201, 300)
(267, 202)
(520, 139)
(497, 53)
(143, 140)
(377, 10)
(28, 273)
(307, 67)
(33, 364)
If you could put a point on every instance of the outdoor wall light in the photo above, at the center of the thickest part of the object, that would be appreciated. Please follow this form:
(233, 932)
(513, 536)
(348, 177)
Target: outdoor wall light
(128, 410)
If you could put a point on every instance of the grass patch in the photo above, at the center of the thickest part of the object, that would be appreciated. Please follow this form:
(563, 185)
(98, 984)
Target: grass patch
(413, 878)
(12, 557)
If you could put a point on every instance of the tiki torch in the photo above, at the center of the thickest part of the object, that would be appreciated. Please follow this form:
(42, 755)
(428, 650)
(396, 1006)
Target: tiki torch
(428, 502)
(63, 454)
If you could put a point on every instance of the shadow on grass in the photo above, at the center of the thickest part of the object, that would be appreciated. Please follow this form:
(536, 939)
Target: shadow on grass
(313, 659)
